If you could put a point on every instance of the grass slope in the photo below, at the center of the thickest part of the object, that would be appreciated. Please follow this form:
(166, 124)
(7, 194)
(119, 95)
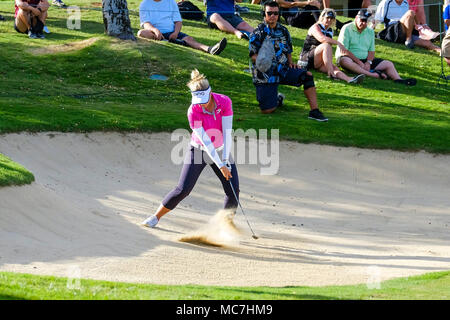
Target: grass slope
(12, 173)
(105, 86)
(15, 286)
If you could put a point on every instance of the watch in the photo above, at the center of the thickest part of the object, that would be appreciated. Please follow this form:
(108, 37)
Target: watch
(369, 61)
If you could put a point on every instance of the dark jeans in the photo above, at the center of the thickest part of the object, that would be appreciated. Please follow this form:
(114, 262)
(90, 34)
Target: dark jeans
(191, 172)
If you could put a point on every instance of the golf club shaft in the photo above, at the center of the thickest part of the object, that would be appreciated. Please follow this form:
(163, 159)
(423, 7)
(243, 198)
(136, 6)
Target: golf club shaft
(239, 203)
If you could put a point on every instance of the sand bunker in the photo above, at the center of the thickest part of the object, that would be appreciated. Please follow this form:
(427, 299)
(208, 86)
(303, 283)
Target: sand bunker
(330, 216)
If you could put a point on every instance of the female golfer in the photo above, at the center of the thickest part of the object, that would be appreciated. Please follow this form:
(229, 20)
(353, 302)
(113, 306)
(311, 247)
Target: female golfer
(211, 120)
(317, 52)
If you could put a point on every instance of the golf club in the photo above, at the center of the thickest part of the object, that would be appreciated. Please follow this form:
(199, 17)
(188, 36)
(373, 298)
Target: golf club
(253, 234)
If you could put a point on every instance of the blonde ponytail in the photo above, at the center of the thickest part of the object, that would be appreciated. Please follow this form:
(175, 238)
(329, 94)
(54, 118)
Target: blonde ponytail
(198, 81)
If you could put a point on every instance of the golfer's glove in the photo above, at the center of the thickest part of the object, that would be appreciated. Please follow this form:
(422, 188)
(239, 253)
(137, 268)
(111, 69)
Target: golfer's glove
(227, 164)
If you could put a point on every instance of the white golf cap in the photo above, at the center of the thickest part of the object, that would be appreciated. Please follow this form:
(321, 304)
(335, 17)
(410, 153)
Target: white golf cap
(201, 96)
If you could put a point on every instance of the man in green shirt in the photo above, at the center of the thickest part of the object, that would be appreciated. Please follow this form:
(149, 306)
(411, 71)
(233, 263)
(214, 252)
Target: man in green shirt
(360, 55)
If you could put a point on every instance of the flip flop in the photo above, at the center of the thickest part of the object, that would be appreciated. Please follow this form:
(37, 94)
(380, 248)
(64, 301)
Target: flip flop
(381, 74)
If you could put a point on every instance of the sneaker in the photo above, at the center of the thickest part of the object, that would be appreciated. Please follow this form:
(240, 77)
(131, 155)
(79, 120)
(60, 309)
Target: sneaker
(218, 47)
(32, 35)
(59, 3)
(409, 44)
(280, 99)
(40, 35)
(358, 79)
(46, 30)
(407, 82)
(150, 222)
(315, 114)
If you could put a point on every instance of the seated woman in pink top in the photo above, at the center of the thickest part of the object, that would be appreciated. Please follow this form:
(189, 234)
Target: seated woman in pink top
(211, 120)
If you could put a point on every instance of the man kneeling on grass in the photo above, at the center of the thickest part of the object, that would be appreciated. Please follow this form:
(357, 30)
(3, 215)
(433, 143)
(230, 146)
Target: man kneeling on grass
(30, 17)
(270, 51)
(360, 55)
(161, 20)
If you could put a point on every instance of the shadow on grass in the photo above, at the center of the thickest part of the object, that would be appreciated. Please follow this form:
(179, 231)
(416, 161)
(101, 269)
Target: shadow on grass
(10, 297)
(290, 296)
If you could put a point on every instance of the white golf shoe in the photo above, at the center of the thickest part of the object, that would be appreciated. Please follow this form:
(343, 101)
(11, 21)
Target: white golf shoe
(150, 222)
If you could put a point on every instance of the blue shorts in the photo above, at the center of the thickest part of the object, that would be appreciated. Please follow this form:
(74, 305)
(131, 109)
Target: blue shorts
(267, 93)
(232, 19)
(181, 35)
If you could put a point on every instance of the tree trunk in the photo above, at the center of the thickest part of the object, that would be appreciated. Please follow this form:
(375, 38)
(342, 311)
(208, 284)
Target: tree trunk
(116, 19)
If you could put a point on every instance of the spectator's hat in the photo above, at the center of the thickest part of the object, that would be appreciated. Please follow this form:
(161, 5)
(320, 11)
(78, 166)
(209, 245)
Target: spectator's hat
(331, 14)
(364, 14)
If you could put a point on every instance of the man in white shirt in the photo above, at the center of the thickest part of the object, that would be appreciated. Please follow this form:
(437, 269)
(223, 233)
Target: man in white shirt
(161, 20)
(400, 24)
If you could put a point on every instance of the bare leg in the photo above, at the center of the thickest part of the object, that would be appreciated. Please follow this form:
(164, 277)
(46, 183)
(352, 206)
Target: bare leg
(388, 67)
(448, 61)
(44, 5)
(408, 23)
(350, 65)
(427, 44)
(194, 44)
(161, 211)
(224, 25)
(323, 59)
(245, 27)
(366, 3)
(23, 22)
(311, 95)
(147, 34)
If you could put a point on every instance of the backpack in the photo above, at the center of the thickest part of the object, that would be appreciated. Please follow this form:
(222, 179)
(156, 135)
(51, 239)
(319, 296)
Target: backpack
(265, 55)
(190, 11)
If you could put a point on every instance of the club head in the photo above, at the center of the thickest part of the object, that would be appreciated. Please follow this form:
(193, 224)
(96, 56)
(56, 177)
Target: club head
(254, 237)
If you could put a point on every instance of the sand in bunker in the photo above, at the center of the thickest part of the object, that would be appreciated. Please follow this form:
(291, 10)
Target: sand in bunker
(329, 216)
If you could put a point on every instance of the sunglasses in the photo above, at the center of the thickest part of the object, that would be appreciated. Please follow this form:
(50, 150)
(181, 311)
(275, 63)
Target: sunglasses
(272, 13)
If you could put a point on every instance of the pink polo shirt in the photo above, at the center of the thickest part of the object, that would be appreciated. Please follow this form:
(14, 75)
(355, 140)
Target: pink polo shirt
(211, 122)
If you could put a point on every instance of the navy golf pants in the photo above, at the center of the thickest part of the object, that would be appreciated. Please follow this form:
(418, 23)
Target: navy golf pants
(194, 163)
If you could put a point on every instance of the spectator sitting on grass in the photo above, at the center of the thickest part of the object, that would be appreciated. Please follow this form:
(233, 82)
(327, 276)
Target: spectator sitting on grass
(221, 14)
(161, 20)
(317, 52)
(299, 14)
(270, 51)
(30, 16)
(360, 55)
(400, 25)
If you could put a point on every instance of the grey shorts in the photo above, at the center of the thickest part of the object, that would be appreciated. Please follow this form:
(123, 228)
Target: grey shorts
(232, 19)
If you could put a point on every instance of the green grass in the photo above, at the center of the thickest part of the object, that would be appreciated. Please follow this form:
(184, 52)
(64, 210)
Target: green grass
(106, 87)
(12, 173)
(31, 287)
